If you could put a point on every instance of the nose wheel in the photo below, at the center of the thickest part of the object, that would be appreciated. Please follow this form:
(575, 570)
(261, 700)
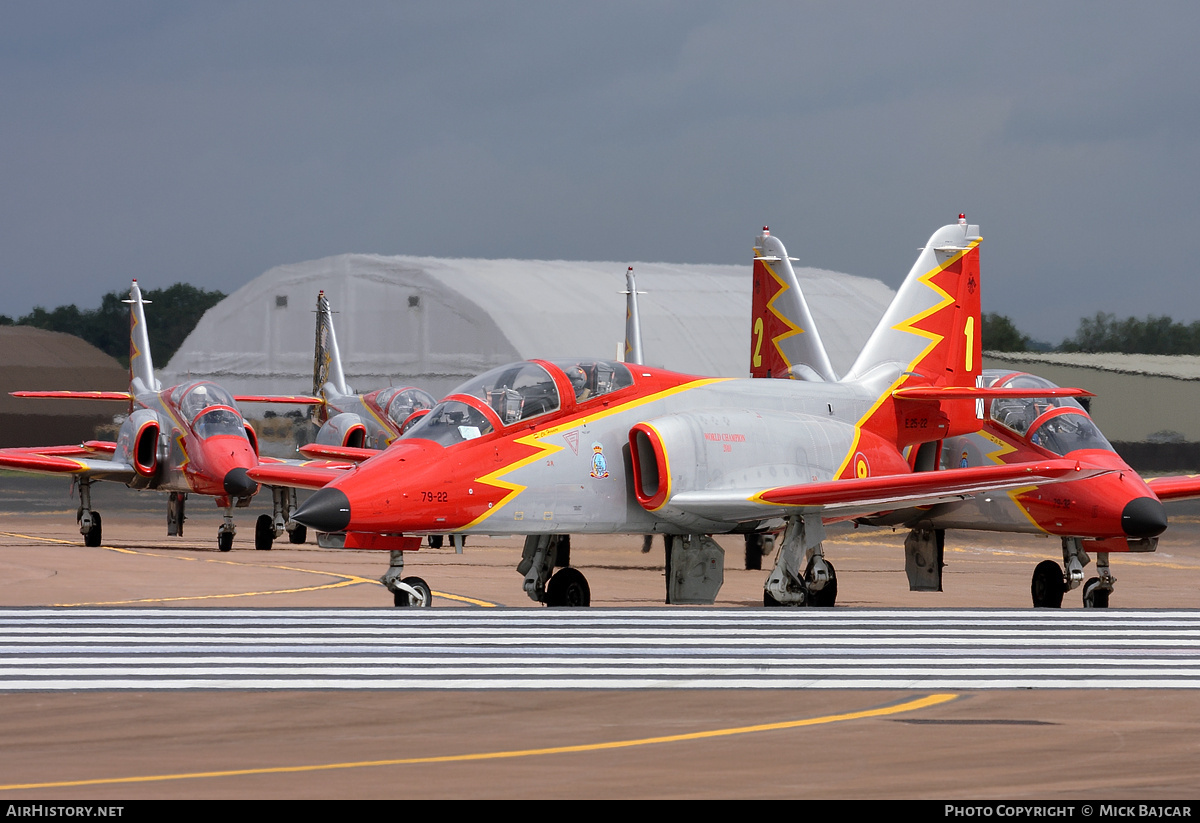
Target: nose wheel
(91, 530)
(412, 591)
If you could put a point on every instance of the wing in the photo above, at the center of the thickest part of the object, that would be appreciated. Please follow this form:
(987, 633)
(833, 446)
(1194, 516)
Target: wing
(1180, 487)
(77, 460)
(294, 474)
(858, 497)
(319, 451)
(969, 392)
(294, 399)
(76, 395)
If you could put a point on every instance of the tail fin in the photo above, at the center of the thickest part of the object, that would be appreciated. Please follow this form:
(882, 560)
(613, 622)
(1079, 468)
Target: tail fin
(141, 365)
(633, 325)
(327, 360)
(784, 339)
(928, 337)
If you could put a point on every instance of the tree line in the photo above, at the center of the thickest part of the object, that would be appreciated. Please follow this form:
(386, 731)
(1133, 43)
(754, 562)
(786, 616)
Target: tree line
(175, 312)
(178, 308)
(1103, 333)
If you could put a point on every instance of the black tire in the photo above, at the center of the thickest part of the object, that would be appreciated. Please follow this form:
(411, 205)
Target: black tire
(1047, 587)
(769, 600)
(435, 541)
(1095, 597)
(404, 600)
(225, 541)
(754, 554)
(568, 587)
(93, 536)
(264, 533)
(827, 596)
(298, 535)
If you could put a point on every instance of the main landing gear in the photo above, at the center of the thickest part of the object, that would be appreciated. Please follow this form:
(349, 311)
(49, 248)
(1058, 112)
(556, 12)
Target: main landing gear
(1050, 582)
(270, 526)
(566, 587)
(802, 545)
(89, 521)
(758, 546)
(406, 591)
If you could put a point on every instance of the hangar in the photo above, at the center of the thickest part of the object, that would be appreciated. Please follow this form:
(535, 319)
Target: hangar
(35, 359)
(435, 322)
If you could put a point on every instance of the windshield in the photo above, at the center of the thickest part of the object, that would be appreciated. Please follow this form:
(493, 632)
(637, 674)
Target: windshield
(450, 422)
(1068, 432)
(219, 421)
(516, 392)
(195, 398)
(1019, 413)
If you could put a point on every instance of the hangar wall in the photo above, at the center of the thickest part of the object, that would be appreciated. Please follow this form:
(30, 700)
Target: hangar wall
(435, 322)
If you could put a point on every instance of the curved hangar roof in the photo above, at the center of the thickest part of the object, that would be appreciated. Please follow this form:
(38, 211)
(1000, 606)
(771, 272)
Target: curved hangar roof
(435, 322)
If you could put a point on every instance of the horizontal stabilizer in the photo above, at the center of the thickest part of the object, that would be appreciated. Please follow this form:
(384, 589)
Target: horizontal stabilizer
(76, 395)
(857, 497)
(974, 392)
(294, 399)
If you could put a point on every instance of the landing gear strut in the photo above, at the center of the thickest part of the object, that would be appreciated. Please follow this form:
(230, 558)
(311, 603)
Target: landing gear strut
(89, 521)
(406, 591)
(1097, 589)
(226, 531)
(270, 526)
(1050, 582)
(175, 513)
(801, 544)
(566, 587)
(758, 546)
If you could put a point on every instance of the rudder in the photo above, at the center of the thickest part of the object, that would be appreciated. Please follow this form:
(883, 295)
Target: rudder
(784, 341)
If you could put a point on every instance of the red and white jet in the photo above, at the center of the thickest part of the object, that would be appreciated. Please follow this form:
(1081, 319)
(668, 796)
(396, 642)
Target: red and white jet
(185, 439)
(544, 448)
(1025, 419)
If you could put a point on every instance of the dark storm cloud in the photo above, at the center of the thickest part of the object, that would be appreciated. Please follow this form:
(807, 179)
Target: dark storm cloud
(208, 142)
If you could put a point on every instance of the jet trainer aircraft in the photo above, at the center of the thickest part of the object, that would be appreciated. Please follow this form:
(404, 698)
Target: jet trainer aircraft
(365, 421)
(186, 439)
(527, 450)
(1115, 511)
(352, 426)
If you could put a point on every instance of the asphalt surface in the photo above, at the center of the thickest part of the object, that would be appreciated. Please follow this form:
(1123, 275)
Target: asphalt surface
(1038, 743)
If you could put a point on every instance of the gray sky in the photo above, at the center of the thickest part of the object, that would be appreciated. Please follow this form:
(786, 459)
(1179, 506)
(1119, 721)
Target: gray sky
(207, 142)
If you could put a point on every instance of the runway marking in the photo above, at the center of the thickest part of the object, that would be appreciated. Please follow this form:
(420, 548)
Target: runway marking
(344, 581)
(900, 708)
(161, 649)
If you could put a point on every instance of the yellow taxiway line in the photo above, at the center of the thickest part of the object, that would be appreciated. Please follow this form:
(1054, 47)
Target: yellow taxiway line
(343, 579)
(885, 711)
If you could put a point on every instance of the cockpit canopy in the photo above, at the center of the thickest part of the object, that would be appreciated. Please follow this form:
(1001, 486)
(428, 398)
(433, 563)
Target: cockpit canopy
(399, 403)
(517, 392)
(1059, 424)
(208, 409)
